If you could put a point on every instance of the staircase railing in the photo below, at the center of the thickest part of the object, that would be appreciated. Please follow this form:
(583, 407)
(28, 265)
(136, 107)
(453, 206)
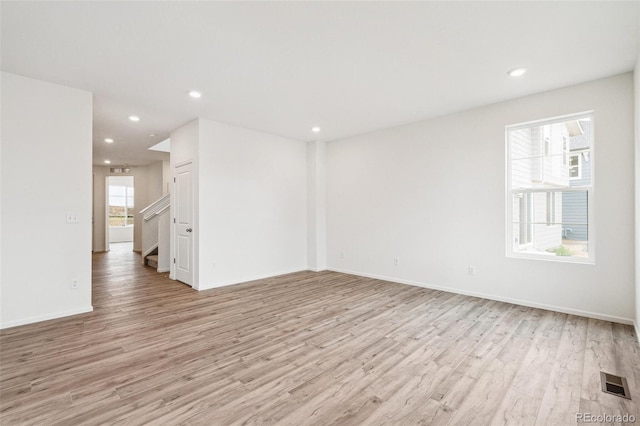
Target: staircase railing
(155, 231)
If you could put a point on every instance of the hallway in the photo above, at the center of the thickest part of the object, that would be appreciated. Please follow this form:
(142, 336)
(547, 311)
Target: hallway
(119, 277)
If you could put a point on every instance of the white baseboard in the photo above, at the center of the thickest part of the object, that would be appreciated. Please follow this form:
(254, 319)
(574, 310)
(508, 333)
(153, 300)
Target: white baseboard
(249, 278)
(561, 309)
(46, 317)
(635, 327)
(163, 270)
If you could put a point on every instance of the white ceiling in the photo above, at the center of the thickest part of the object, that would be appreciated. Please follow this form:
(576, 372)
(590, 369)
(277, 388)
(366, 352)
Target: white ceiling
(283, 67)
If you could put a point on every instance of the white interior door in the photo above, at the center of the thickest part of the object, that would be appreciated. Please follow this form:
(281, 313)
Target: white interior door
(184, 224)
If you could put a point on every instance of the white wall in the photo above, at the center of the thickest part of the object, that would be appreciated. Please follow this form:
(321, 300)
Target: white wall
(316, 206)
(166, 177)
(636, 91)
(44, 125)
(120, 234)
(253, 204)
(432, 195)
(155, 183)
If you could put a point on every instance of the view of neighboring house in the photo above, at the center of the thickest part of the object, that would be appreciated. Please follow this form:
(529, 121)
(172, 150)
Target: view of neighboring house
(549, 163)
(574, 204)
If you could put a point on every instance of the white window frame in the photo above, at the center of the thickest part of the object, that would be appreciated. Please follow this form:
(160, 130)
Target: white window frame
(590, 190)
(579, 155)
(552, 220)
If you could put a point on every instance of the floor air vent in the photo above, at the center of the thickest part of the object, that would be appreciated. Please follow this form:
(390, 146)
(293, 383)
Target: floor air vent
(615, 385)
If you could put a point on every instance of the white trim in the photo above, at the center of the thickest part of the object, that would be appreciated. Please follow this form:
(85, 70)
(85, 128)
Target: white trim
(163, 210)
(551, 120)
(148, 251)
(46, 317)
(163, 270)
(182, 163)
(543, 190)
(635, 327)
(249, 278)
(551, 258)
(560, 309)
(157, 207)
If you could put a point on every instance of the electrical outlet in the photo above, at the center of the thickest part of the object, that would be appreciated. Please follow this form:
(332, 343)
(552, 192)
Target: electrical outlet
(72, 218)
(74, 284)
(396, 261)
(472, 270)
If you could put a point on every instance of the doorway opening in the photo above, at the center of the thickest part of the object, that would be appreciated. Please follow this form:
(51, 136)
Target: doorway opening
(120, 211)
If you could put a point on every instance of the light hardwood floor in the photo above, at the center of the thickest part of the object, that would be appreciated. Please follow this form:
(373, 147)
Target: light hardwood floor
(307, 348)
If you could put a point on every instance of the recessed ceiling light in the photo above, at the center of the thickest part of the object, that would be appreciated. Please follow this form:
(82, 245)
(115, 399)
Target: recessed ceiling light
(134, 118)
(152, 135)
(315, 129)
(107, 161)
(108, 140)
(195, 94)
(517, 72)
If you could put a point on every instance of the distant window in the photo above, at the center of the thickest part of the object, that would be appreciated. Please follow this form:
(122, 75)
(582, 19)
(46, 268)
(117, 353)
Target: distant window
(575, 166)
(550, 190)
(121, 209)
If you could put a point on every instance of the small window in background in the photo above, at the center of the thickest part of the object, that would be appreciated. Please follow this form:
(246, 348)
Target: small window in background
(550, 189)
(574, 166)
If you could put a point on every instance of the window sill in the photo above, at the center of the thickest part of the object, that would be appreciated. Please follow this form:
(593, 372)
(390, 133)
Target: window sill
(553, 258)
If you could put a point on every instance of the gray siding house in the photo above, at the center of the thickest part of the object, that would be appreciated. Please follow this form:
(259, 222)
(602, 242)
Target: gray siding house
(574, 204)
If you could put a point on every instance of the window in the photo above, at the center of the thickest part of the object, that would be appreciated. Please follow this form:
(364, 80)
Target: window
(575, 166)
(120, 205)
(550, 189)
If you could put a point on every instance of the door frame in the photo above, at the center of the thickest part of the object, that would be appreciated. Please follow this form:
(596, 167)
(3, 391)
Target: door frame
(107, 242)
(174, 230)
(107, 246)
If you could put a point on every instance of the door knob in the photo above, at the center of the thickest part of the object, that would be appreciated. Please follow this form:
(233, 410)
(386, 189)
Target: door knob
(188, 229)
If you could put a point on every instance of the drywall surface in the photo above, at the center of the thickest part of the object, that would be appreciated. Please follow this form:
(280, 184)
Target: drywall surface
(432, 195)
(155, 186)
(252, 204)
(316, 206)
(44, 124)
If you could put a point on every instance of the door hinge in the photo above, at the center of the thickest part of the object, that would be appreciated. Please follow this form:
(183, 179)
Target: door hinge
(174, 260)
(174, 180)
(174, 220)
